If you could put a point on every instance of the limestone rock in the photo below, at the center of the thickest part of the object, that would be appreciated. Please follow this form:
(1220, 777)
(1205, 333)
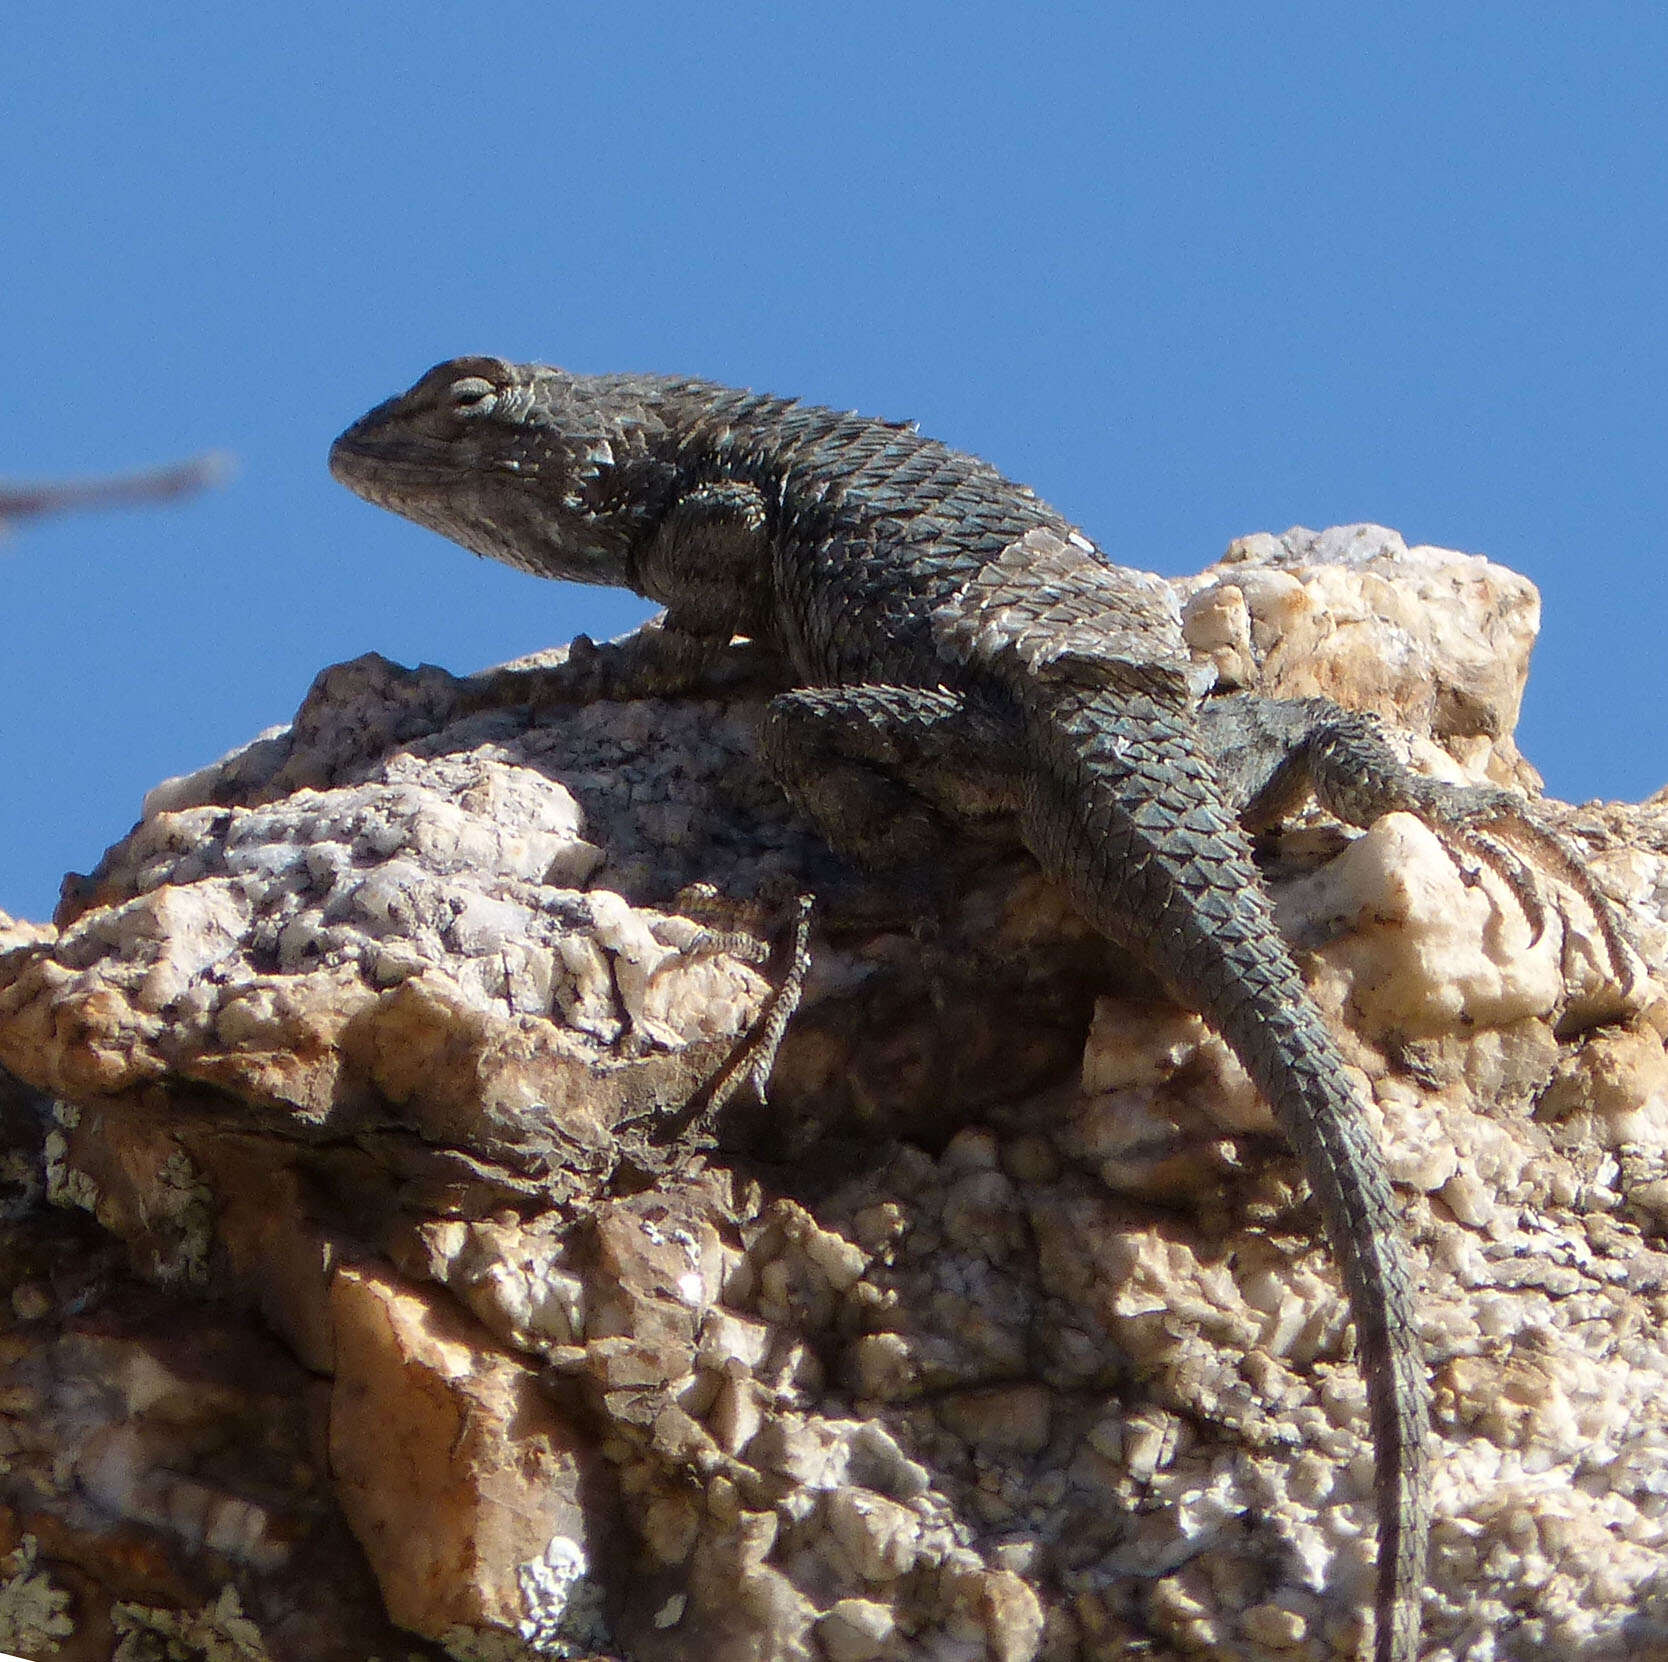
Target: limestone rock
(363, 1298)
(1434, 640)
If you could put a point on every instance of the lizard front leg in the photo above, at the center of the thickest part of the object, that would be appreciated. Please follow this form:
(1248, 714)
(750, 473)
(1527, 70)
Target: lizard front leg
(707, 561)
(661, 659)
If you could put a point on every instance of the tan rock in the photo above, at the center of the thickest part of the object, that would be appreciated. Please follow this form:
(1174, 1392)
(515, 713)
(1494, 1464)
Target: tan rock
(457, 1476)
(1435, 640)
(1004, 1332)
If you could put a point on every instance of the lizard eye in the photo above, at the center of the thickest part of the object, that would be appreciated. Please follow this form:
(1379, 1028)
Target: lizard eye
(472, 395)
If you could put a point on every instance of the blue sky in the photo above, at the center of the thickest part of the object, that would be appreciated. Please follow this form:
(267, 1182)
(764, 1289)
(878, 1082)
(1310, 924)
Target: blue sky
(1190, 271)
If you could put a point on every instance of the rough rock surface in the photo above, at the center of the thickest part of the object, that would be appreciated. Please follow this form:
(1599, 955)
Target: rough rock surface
(364, 1301)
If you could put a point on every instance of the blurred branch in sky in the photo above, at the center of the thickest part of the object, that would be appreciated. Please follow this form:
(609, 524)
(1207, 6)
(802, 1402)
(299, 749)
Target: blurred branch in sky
(155, 484)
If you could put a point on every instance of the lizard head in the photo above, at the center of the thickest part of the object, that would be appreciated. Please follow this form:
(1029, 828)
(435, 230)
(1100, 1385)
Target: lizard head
(513, 461)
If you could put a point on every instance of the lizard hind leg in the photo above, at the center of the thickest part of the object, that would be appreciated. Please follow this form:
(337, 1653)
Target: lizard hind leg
(1342, 756)
(886, 771)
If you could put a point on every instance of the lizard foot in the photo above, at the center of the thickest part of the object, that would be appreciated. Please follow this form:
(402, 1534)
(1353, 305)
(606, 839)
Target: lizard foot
(1505, 833)
(751, 1063)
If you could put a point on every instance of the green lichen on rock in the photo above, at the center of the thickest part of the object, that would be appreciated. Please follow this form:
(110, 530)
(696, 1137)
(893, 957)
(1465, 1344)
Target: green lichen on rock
(219, 1632)
(33, 1611)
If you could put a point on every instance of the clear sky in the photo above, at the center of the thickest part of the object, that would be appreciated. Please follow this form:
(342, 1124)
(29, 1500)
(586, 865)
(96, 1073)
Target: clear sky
(1191, 271)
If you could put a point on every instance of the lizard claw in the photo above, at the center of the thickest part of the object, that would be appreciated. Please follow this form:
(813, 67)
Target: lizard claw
(1517, 844)
(1519, 876)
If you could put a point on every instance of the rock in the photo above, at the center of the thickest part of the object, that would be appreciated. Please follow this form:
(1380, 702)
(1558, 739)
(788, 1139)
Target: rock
(358, 1304)
(1434, 640)
(458, 1475)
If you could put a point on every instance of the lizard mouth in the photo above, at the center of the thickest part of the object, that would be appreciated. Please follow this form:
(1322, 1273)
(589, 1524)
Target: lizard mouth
(381, 470)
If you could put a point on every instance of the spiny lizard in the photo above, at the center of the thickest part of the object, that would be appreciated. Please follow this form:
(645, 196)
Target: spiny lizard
(948, 646)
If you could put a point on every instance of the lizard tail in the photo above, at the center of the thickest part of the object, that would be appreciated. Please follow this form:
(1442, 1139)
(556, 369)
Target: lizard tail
(1278, 1035)
(1129, 811)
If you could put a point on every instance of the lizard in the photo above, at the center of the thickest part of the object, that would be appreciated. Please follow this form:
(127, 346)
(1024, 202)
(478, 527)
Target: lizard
(946, 647)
